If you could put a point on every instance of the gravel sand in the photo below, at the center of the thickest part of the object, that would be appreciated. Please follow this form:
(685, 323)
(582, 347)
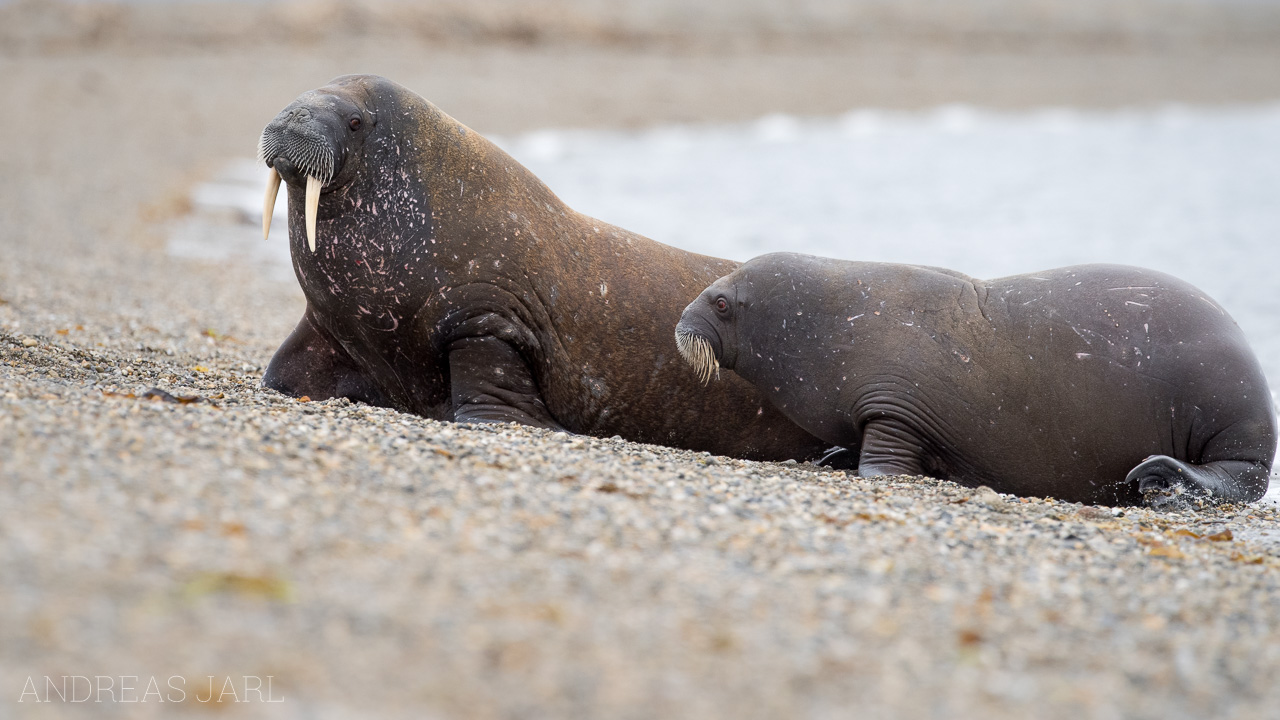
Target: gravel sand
(376, 564)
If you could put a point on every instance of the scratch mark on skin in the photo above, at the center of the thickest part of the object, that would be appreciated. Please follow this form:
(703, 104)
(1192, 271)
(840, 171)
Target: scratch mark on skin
(1081, 333)
(1138, 304)
(1211, 304)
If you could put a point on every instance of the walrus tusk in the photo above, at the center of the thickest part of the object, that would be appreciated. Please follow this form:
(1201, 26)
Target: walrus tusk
(269, 202)
(313, 205)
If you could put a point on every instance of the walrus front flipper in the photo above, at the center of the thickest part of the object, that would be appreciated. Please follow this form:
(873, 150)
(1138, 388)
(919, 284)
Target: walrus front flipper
(308, 363)
(1164, 481)
(889, 448)
(492, 383)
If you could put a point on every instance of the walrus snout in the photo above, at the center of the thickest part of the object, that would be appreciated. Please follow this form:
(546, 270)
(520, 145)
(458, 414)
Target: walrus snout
(698, 342)
(304, 146)
(301, 142)
(697, 351)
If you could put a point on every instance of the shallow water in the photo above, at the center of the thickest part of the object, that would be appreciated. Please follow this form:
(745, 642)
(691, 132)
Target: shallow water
(1192, 192)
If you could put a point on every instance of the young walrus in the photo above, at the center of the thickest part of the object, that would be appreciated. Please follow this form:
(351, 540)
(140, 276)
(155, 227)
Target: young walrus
(1094, 383)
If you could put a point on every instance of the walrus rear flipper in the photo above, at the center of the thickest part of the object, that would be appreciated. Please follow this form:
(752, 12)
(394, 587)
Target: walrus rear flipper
(1164, 481)
(310, 364)
(839, 458)
(492, 383)
(1233, 466)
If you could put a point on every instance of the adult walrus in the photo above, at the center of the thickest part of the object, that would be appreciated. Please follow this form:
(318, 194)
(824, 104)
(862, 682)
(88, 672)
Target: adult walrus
(442, 278)
(1094, 383)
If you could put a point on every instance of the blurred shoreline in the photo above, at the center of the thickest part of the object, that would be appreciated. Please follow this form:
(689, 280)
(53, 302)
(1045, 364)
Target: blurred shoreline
(974, 25)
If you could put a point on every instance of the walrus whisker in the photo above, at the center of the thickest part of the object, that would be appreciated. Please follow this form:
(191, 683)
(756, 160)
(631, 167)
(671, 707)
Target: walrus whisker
(268, 146)
(309, 155)
(697, 351)
(269, 202)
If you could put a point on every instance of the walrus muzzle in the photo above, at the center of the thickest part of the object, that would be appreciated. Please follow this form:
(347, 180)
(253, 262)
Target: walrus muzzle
(296, 146)
(697, 350)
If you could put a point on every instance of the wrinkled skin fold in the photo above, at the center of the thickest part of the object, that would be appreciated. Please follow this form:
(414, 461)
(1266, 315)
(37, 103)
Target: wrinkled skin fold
(444, 279)
(1095, 383)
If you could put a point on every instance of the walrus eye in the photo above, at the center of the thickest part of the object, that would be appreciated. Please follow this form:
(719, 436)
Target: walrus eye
(355, 123)
(722, 305)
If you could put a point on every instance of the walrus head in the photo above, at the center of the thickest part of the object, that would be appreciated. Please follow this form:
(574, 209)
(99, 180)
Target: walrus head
(706, 336)
(309, 143)
(740, 320)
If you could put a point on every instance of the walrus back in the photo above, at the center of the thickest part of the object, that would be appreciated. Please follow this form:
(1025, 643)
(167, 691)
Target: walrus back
(599, 303)
(1155, 365)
